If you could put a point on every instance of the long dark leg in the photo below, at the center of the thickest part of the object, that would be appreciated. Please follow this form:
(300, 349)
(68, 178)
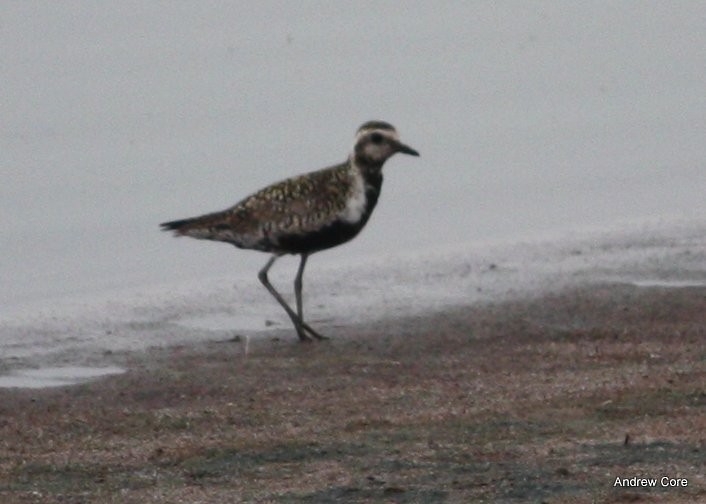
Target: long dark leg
(301, 327)
(265, 281)
(298, 286)
(298, 294)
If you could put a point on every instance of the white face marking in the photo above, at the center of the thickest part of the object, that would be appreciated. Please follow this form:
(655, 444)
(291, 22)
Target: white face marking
(384, 132)
(378, 152)
(356, 202)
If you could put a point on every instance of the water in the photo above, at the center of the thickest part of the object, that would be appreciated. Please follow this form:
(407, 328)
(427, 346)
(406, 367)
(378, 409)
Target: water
(55, 376)
(529, 118)
(669, 284)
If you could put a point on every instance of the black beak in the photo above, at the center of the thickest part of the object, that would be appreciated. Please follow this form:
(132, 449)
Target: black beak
(405, 149)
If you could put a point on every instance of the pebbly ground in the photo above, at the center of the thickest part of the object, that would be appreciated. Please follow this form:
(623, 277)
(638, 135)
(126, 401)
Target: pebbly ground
(546, 398)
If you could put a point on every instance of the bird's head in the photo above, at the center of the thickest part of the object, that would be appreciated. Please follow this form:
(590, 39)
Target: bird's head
(376, 141)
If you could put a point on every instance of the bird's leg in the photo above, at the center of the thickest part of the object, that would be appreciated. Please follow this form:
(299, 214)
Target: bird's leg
(298, 286)
(262, 275)
(299, 325)
(298, 294)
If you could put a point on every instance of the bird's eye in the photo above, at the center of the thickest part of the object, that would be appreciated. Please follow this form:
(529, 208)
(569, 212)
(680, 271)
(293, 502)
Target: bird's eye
(376, 138)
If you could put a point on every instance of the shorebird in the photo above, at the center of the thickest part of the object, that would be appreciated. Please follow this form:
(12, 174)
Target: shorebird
(304, 214)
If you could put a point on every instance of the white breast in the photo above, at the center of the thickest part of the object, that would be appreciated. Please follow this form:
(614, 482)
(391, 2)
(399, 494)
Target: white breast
(356, 201)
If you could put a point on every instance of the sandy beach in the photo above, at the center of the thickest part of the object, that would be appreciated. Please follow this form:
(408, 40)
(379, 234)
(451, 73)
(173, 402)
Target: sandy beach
(549, 398)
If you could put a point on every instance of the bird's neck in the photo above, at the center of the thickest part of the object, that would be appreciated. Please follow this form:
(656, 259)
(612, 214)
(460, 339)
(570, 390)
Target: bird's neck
(371, 175)
(371, 172)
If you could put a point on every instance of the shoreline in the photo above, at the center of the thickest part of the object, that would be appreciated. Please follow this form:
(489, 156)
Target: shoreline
(80, 331)
(548, 397)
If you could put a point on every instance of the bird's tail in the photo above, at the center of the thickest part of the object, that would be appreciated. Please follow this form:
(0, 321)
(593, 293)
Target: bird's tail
(196, 227)
(178, 226)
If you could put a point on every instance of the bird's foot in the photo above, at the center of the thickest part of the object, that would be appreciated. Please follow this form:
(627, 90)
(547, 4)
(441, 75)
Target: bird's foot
(315, 334)
(305, 332)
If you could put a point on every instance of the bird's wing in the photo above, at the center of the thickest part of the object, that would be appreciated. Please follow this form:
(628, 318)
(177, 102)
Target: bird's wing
(293, 206)
(297, 204)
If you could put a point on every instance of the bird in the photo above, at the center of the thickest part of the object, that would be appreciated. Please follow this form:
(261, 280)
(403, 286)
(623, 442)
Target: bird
(304, 214)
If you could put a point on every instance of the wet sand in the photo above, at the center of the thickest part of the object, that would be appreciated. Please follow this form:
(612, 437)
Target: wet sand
(548, 399)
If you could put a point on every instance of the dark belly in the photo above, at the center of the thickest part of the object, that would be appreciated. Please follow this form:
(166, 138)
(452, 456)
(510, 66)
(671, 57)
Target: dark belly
(329, 236)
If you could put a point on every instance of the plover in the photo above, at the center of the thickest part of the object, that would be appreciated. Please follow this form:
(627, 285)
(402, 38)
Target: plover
(304, 214)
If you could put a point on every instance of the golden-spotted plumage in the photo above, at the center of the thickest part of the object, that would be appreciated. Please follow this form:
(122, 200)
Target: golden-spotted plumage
(307, 213)
(293, 207)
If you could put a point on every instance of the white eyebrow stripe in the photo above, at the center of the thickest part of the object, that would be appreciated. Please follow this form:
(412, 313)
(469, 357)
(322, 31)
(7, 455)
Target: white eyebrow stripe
(385, 132)
(391, 134)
